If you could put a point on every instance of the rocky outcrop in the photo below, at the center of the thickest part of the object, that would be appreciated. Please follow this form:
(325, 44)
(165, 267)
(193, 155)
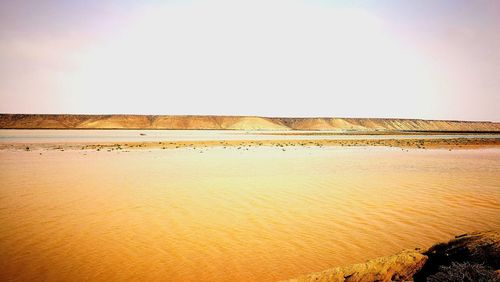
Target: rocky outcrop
(398, 267)
(482, 248)
(21, 121)
(476, 253)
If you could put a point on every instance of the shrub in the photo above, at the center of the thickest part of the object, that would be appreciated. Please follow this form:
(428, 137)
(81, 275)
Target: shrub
(464, 272)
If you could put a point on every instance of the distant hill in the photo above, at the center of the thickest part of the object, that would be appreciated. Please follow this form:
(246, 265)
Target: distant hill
(36, 121)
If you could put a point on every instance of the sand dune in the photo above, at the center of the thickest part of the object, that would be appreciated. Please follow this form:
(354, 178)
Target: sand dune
(21, 121)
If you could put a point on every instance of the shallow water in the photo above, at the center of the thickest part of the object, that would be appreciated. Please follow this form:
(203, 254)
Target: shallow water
(58, 136)
(233, 215)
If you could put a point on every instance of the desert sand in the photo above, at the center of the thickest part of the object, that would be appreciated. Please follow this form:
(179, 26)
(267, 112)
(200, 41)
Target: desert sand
(435, 143)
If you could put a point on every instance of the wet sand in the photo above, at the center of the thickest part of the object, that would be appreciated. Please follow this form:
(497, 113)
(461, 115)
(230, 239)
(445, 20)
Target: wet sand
(420, 143)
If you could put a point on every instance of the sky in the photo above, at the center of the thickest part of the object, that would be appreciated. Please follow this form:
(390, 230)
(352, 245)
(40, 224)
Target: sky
(401, 59)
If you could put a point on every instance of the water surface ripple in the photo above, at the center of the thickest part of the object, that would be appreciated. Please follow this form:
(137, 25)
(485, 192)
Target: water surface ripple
(233, 215)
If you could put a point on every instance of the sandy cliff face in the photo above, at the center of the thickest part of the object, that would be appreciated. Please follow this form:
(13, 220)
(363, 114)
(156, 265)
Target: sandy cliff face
(16, 121)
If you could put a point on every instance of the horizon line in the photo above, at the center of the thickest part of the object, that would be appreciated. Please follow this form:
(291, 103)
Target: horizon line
(257, 116)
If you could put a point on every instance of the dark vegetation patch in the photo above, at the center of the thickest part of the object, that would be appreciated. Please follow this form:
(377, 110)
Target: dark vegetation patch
(472, 257)
(464, 272)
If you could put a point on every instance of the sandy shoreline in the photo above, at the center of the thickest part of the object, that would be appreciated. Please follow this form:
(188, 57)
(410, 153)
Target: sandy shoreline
(435, 143)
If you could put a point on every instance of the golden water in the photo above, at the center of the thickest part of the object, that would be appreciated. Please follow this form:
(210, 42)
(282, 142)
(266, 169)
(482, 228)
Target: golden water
(232, 215)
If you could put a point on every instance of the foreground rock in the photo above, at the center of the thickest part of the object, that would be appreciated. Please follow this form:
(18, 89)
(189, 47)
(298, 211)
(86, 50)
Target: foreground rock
(398, 267)
(468, 257)
(475, 249)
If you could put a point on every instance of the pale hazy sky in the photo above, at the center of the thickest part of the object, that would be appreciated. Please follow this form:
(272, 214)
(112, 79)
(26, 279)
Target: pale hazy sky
(409, 59)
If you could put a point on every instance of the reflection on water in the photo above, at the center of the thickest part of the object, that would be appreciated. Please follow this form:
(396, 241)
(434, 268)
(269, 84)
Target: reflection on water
(48, 136)
(228, 214)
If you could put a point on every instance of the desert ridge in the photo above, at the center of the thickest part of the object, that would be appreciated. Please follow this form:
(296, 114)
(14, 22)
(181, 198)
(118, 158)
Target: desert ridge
(199, 122)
